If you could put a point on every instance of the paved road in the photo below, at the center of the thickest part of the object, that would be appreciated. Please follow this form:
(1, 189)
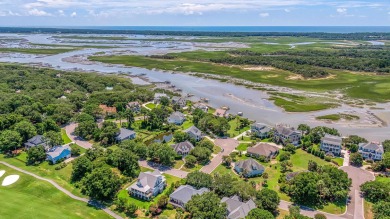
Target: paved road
(70, 132)
(355, 209)
(88, 201)
(307, 211)
(167, 170)
(227, 145)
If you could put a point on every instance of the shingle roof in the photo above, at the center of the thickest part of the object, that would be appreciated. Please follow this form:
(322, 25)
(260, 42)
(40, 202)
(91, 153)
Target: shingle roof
(177, 116)
(124, 133)
(35, 141)
(249, 165)
(56, 151)
(332, 139)
(286, 131)
(159, 95)
(193, 130)
(146, 180)
(236, 208)
(185, 193)
(263, 149)
(372, 146)
(183, 147)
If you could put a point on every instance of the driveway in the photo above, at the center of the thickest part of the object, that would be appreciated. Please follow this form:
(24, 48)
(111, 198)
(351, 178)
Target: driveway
(167, 170)
(307, 211)
(355, 208)
(227, 145)
(76, 139)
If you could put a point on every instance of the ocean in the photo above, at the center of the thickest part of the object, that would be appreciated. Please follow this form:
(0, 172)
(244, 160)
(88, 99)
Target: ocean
(295, 29)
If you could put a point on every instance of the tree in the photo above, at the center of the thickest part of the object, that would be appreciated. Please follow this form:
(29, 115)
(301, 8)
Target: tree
(126, 161)
(75, 150)
(164, 101)
(199, 180)
(381, 210)
(129, 114)
(243, 190)
(53, 138)
(162, 201)
(206, 144)
(86, 129)
(202, 154)
(80, 168)
(284, 156)
(227, 160)
(36, 155)
(190, 161)
(259, 214)
(353, 140)
(304, 188)
(101, 184)
(319, 216)
(165, 155)
(375, 191)
(26, 129)
(205, 206)
(108, 133)
(224, 185)
(386, 145)
(267, 199)
(312, 166)
(356, 159)
(304, 128)
(290, 148)
(10, 140)
(181, 137)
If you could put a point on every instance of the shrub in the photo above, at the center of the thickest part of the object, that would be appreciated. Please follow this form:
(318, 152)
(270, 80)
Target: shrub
(328, 159)
(319, 216)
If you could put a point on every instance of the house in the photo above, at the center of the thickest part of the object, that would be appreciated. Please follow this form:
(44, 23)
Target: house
(194, 133)
(176, 118)
(237, 209)
(331, 144)
(158, 96)
(57, 153)
(201, 106)
(179, 101)
(134, 106)
(125, 134)
(263, 149)
(249, 168)
(183, 194)
(35, 141)
(371, 150)
(260, 130)
(107, 109)
(287, 135)
(183, 148)
(220, 113)
(148, 185)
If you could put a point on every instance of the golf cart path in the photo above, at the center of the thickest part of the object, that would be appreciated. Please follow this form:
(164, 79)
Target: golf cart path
(88, 201)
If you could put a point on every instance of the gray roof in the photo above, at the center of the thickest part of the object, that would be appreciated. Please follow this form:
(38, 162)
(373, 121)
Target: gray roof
(147, 180)
(183, 147)
(133, 104)
(249, 165)
(259, 125)
(35, 141)
(263, 149)
(372, 146)
(193, 130)
(124, 133)
(56, 151)
(159, 95)
(177, 116)
(238, 209)
(185, 193)
(332, 139)
(286, 131)
(200, 106)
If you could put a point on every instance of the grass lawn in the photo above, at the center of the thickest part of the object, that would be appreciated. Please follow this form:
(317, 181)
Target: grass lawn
(65, 137)
(339, 161)
(368, 214)
(33, 198)
(233, 131)
(242, 147)
(221, 169)
(62, 176)
(151, 105)
(196, 168)
(301, 158)
(216, 149)
(282, 214)
(178, 164)
(187, 124)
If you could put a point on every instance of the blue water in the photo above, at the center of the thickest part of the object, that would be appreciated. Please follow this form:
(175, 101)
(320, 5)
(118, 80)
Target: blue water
(296, 29)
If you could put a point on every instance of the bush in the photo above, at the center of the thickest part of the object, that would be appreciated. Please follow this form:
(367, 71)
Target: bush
(319, 216)
(61, 166)
(328, 159)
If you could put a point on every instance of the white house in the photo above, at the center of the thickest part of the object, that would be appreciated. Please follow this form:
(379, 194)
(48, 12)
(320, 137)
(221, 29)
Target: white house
(332, 144)
(148, 185)
(371, 150)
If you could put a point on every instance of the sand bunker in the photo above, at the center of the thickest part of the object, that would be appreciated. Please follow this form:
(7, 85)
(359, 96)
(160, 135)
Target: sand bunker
(2, 172)
(10, 180)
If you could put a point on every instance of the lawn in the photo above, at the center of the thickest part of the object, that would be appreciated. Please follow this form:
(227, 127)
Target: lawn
(187, 124)
(216, 149)
(233, 131)
(301, 159)
(151, 105)
(32, 198)
(178, 164)
(221, 169)
(242, 147)
(62, 176)
(368, 214)
(339, 161)
(65, 137)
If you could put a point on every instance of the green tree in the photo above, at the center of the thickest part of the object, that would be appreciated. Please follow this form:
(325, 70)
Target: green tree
(202, 154)
(381, 210)
(101, 184)
(36, 155)
(356, 159)
(190, 161)
(267, 199)
(259, 214)
(126, 161)
(290, 148)
(386, 145)
(10, 140)
(181, 137)
(206, 144)
(319, 216)
(224, 185)
(108, 133)
(205, 206)
(199, 180)
(81, 166)
(26, 129)
(165, 155)
(86, 129)
(53, 138)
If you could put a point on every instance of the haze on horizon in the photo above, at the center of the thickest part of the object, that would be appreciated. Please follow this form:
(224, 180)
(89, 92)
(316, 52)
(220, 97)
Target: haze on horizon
(194, 13)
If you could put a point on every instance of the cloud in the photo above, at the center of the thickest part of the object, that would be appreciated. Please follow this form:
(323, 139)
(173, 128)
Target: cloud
(264, 14)
(341, 10)
(61, 13)
(74, 14)
(8, 13)
(37, 12)
(287, 10)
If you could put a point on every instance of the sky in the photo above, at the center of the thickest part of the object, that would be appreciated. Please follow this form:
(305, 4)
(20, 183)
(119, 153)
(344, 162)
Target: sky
(194, 13)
